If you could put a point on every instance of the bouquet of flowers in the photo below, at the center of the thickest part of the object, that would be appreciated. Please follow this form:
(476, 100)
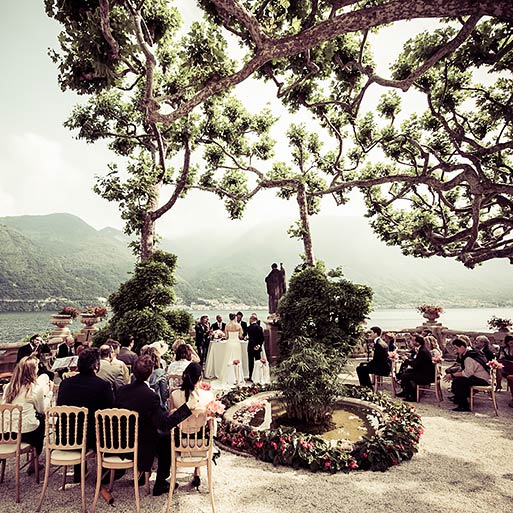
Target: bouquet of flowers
(205, 386)
(263, 360)
(214, 408)
(437, 359)
(97, 311)
(69, 310)
(218, 334)
(393, 355)
(494, 364)
(430, 309)
(498, 323)
(236, 362)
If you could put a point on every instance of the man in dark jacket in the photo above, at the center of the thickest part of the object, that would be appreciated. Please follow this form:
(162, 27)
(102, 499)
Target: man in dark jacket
(39, 348)
(380, 363)
(154, 424)
(422, 370)
(255, 342)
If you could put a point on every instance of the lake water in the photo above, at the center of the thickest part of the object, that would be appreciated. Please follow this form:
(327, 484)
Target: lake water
(15, 326)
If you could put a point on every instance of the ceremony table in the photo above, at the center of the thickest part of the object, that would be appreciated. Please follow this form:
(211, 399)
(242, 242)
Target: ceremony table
(216, 355)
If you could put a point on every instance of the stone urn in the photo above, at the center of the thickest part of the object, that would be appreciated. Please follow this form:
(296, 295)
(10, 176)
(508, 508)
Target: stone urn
(89, 320)
(61, 322)
(87, 332)
(431, 316)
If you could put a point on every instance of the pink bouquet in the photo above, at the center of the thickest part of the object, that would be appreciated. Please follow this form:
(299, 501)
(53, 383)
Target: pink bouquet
(494, 364)
(205, 386)
(214, 408)
(263, 360)
(393, 355)
(236, 362)
(437, 359)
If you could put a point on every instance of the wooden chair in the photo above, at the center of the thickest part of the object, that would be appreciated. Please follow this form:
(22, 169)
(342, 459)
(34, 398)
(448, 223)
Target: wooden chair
(435, 387)
(191, 446)
(117, 432)
(488, 390)
(378, 381)
(66, 433)
(11, 445)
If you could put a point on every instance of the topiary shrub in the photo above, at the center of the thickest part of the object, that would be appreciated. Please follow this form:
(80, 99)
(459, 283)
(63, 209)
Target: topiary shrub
(321, 316)
(141, 305)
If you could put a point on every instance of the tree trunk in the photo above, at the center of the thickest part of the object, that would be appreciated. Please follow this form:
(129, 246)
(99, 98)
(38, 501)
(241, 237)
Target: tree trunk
(147, 237)
(305, 225)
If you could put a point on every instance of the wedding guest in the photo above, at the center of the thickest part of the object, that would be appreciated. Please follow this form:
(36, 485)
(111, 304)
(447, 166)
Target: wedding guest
(202, 337)
(380, 363)
(39, 348)
(432, 345)
(89, 391)
(24, 389)
(158, 381)
(183, 357)
(67, 348)
(126, 353)
(390, 339)
(422, 371)
(154, 424)
(243, 324)
(482, 343)
(111, 372)
(474, 372)
(255, 343)
(116, 347)
(506, 358)
(191, 387)
(178, 342)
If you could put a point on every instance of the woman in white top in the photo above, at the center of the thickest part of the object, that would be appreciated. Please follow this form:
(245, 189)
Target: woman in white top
(233, 352)
(191, 387)
(183, 357)
(24, 389)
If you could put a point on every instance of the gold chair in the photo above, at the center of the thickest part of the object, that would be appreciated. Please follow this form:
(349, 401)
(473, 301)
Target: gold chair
(487, 389)
(11, 445)
(435, 387)
(66, 434)
(191, 446)
(378, 381)
(117, 432)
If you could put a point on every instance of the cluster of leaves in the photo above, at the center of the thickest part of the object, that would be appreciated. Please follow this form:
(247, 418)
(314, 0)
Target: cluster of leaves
(140, 307)
(396, 439)
(97, 311)
(498, 323)
(72, 311)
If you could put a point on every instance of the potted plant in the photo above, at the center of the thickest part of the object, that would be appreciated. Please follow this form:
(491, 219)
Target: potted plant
(63, 319)
(99, 312)
(69, 311)
(430, 312)
(496, 323)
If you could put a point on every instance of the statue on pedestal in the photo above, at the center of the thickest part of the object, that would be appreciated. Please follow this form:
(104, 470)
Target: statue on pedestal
(276, 286)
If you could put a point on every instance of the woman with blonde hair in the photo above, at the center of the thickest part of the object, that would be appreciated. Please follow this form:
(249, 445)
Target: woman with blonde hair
(432, 345)
(24, 389)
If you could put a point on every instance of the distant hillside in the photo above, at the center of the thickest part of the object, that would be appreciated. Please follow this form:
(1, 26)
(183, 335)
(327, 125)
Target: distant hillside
(59, 256)
(55, 258)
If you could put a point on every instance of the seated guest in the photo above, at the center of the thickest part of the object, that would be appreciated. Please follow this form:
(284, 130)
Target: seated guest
(506, 358)
(67, 348)
(158, 381)
(191, 388)
(86, 344)
(380, 363)
(432, 345)
(474, 372)
(390, 338)
(116, 347)
(422, 370)
(178, 342)
(24, 389)
(154, 424)
(36, 347)
(126, 355)
(482, 343)
(87, 390)
(183, 357)
(109, 372)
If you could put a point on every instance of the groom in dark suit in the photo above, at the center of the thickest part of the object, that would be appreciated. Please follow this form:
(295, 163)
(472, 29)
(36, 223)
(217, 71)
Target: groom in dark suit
(154, 423)
(255, 342)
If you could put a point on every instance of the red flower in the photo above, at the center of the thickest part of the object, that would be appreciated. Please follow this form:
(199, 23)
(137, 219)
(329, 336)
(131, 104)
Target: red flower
(274, 445)
(259, 445)
(353, 464)
(365, 455)
(327, 464)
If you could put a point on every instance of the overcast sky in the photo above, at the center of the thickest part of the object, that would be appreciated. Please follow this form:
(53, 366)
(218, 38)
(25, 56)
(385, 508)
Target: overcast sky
(43, 169)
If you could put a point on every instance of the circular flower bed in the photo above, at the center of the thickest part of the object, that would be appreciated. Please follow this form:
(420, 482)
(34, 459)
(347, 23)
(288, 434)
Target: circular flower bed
(396, 438)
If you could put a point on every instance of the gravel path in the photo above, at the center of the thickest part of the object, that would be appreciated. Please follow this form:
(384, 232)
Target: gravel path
(464, 465)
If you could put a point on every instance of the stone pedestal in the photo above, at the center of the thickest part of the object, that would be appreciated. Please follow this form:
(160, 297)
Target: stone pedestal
(272, 336)
(87, 332)
(61, 322)
(436, 329)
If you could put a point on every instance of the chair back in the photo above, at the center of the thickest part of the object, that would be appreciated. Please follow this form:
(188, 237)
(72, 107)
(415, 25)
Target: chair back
(10, 424)
(66, 428)
(117, 431)
(194, 435)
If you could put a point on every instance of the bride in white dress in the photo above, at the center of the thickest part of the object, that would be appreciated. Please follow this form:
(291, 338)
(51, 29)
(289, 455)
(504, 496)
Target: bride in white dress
(233, 332)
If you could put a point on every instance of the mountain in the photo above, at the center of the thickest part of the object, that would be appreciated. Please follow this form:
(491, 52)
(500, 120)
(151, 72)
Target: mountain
(47, 260)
